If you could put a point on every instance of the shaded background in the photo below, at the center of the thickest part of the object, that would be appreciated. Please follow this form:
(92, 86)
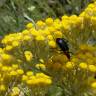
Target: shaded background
(14, 14)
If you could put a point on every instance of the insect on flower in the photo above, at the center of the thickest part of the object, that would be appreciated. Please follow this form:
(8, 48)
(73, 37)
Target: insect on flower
(62, 43)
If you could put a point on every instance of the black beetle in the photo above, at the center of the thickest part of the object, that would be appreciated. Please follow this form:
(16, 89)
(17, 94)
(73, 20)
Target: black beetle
(62, 43)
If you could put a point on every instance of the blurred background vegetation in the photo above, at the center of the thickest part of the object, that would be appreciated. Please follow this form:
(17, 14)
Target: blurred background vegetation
(14, 14)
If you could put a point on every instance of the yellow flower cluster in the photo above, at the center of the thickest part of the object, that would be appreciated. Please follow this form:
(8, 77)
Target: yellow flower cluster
(37, 79)
(35, 49)
(69, 26)
(15, 91)
(41, 66)
(9, 73)
(77, 27)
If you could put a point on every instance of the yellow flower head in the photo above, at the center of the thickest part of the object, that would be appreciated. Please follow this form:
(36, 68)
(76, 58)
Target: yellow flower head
(15, 43)
(49, 21)
(93, 85)
(83, 65)
(46, 32)
(58, 34)
(15, 91)
(32, 82)
(40, 66)
(24, 78)
(8, 47)
(41, 75)
(29, 25)
(28, 55)
(26, 37)
(34, 32)
(2, 87)
(92, 68)
(13, 73)
(69, 65)
(52, 44)
(40, 23)
(25, 32)
(41, 60)
(48, 81)
(1, 50)
(51, 29)
(9, 68)
(50, 37)
(15, 66)
(29, 73)
(5, 68)
(6, 57)
(20, 71)
(65, 17)
(91, 6)
(40, 38)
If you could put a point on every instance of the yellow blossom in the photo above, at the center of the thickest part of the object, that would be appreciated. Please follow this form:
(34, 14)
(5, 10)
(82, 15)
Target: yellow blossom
(29, 73)
(34, 32)
(65, 17)
(58, 34)
(46, 32)
(1, 50)
(29, 25)
(8, 47)
(6, 56)
(57, 25)
(41, 60)
(41, 75)
(28, 55)
(31, 77)
(40, 66)
(20, 71)
(9, 68)
(15, 91)
(26, 37)
(69, 65)
(25, 32)
(15, 43)
(50, 37)
(66, 25)
(49, 21)
(15, 66)
(41, 80)
(91, 6)
(51, 29)
(4, 68)
(52, 44)
(83, 65)
(93, 85)
(1, 79)
(2, 87)
(32, 82)
(24, 78)
(40, 38)
(48, 81)
(40, 23)
(92, 68)
(13, 73)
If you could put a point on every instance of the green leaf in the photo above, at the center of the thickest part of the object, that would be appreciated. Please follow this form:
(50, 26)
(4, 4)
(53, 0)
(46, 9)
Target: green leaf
(55, 91)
